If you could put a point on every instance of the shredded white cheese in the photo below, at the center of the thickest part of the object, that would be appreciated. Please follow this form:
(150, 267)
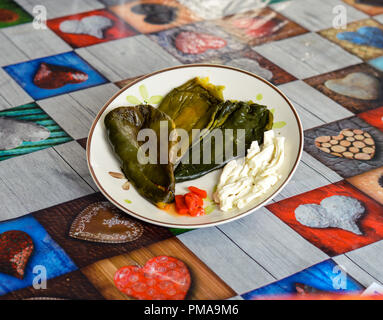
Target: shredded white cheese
(248, 178)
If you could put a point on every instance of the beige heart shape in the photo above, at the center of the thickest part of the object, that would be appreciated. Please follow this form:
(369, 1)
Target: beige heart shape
(350, 143)
(357, 85)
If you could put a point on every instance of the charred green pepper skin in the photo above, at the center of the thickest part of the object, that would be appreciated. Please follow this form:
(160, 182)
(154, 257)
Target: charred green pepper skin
(155, 182)
(254, 118)
(192, 105)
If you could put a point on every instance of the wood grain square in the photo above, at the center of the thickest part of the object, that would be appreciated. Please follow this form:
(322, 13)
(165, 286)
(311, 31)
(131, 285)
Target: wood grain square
(10, 53)
(343, 166)
(36, 43)
(370, 259)
(127, 58)
(355, 105)
(365, 52)
(275, 246)
(70, 286)
(149, 16)
(307, 55)
(309, 99)
(74, 154)
(11, 94)
(260, 26)
(43, 179)
(333, 241)
(316, 15)
(205, 284)
(230, 262)
(76, 123)
(253, 62)
(56, 9)
(57, 221)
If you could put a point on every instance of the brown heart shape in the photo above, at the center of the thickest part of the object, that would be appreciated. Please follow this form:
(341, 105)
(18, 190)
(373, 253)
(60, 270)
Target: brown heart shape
(103, 222)
(350, 143)
(16, 248)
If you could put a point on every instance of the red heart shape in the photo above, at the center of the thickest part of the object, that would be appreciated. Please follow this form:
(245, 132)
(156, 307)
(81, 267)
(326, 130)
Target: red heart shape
(195, 43)
(50, 76)
(162, 278)
(15, 249)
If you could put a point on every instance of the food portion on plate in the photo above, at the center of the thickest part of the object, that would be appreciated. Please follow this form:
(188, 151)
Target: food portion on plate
(236, 135)
(248, 178)
(153, 180)
(192, 106)
(253, 118)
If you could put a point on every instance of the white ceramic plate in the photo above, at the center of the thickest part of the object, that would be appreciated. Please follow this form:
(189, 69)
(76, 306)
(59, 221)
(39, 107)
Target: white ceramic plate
(239, 85)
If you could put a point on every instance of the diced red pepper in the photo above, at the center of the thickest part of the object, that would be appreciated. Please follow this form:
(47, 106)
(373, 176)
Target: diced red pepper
(199, 192)
(181, 206)
(194, 204)
(193, 200)
(200, 211)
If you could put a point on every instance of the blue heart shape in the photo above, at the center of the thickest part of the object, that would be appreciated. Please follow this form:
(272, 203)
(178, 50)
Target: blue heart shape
(370, 36)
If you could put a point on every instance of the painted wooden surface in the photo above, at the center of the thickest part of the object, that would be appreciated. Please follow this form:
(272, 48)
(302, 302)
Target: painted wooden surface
(370, 259)
(36, 43)
(9, 53)
(205, 285)
(217, 251)
(355, 271)
(57, 182)
(69, 114)
(302, 12)
(225, 261)
(272, 244)
(299, 55)
(93, 99)
(304, 179)
(74, 155)
(11, 94)
(61, 8)
(379, 18)
(127, 58)
(315, 103)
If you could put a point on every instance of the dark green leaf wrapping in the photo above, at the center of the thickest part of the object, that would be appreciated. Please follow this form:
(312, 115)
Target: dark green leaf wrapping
(155, 182)
(192, 105)
(254, 118)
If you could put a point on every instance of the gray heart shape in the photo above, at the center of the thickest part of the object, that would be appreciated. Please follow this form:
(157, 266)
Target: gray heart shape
(335, 211)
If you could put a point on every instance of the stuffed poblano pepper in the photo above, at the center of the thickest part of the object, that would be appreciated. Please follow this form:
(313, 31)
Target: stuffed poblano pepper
(193, 105)
(255, 119)
(154, 180)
